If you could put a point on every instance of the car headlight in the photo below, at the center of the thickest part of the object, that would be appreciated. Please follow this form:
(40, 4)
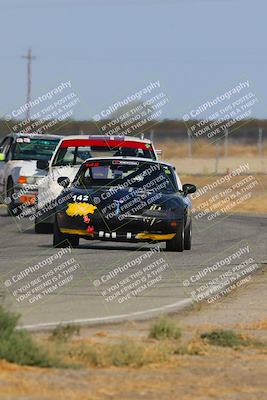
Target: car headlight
(155, 213)
(155, 210)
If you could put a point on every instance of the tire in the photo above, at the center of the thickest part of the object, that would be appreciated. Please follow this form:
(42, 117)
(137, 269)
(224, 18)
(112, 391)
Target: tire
(188, 236)
(11, 205)
(40, 227)
(177, 243)
(63, 240)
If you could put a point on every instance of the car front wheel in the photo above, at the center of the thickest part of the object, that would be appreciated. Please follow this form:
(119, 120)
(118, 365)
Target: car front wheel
(63, 240)
(11, 208)
(188, 236)
(41, 227)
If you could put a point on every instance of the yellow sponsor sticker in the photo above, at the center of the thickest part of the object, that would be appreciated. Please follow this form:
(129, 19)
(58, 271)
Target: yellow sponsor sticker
(80, 209)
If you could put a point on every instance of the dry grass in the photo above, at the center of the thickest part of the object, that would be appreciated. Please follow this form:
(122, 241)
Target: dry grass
(125, 353)
(194, 369)
(203, 159)
(219, 365)
(207, 166)
(257, 203)
(256, 325)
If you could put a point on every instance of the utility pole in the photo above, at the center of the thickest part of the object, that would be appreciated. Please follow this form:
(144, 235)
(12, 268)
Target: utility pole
(29, 59)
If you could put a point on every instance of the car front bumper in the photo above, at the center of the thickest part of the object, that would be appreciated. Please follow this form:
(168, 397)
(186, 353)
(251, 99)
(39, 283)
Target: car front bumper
(135, 228)
(24, 194)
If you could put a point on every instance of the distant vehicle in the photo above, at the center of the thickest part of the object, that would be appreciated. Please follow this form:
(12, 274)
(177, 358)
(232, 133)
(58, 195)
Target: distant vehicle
(70, 153)
(124, 199)
(19, 172)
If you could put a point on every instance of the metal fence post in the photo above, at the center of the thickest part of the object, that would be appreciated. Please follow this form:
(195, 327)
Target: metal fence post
(226, 143)
(189, 143)
(217, 157)
(260, 144)
(152, 135)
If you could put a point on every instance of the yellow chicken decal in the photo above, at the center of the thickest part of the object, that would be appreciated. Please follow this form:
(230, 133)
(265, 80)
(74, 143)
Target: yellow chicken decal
(82, 209)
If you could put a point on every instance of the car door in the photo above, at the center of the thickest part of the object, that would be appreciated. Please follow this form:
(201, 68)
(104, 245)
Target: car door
(5, 150)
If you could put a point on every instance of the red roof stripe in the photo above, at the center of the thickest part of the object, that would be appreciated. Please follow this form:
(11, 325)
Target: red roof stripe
(105, 143)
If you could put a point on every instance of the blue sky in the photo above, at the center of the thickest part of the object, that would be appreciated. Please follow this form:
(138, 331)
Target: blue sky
(111, 48)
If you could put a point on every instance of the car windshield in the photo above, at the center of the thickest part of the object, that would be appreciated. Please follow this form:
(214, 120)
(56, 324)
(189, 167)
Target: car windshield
(76, 155)
(126, 174)
(34, 149)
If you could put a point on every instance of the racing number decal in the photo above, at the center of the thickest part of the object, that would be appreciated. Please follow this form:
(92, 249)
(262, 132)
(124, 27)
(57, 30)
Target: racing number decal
(81, 197)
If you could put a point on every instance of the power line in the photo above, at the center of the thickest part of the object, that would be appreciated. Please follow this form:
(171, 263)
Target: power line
(29, 58)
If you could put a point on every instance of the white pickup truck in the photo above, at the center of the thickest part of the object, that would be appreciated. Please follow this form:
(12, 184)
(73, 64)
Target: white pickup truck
(70, 153)
(20, 155)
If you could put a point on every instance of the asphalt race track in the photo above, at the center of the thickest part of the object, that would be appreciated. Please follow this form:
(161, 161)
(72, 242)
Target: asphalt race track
(108, 281)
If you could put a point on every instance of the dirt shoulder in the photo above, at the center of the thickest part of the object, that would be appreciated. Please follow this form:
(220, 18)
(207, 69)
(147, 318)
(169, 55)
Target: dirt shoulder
(248, 193)
(202, 372)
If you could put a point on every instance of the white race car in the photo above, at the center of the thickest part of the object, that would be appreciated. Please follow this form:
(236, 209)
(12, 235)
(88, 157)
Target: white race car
(70, 153)
(19, 172)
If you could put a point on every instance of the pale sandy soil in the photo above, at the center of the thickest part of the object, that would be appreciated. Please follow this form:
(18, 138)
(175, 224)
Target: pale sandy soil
(256, 203)
(203, 165)
(204, 154)
(217, 373)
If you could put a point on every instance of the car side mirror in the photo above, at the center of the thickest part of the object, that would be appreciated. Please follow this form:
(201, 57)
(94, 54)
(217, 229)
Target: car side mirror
(42, 164)
(2, 157)
(189, 188)
(63, 181)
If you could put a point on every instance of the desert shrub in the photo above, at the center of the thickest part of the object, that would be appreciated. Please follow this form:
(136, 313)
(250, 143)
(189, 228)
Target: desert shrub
(228, 338)
(17, 346)
(164, 328)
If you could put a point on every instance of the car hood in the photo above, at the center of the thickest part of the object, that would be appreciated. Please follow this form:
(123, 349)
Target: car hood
(26, 168)
(127, 200)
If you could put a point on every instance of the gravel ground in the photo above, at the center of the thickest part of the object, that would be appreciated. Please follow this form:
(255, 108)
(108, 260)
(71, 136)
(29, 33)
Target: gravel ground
(223, 374)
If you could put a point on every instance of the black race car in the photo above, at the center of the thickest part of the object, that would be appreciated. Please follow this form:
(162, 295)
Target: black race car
(124, 199)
